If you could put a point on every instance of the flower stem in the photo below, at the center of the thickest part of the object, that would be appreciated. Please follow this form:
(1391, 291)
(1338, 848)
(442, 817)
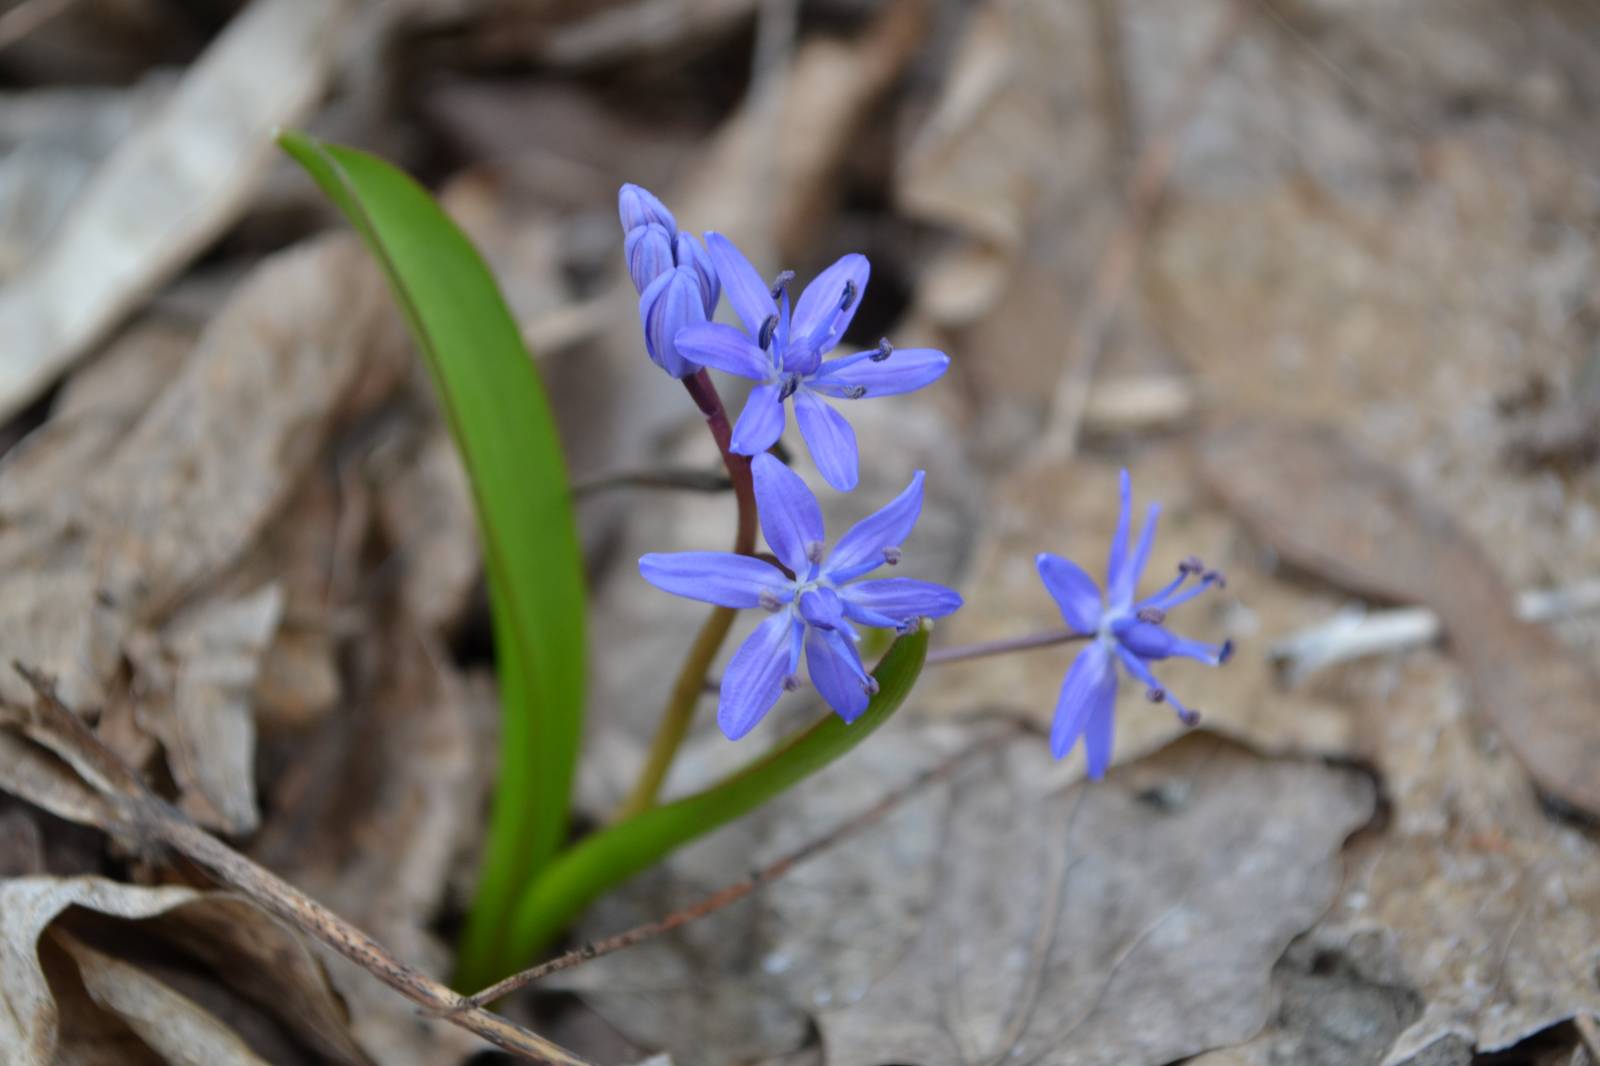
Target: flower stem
(984, 649)
(679, 712)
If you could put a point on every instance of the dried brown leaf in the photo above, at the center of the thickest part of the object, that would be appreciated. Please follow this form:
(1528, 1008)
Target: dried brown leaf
(168, 190)
(241, 944)
(173, 1026)
(1181, 883)
(1365, 529)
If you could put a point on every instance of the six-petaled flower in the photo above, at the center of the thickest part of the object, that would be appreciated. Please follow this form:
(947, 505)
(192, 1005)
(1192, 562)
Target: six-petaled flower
(677, 284)
(782, 353)
(1122, 629)
(814, 601)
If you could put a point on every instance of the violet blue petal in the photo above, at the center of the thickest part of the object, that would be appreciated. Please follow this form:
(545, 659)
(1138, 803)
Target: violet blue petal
(753, 680)
(1122, 594)
(904, 370)
(1089, 687)
(686, 251)
(862, 548)
(749, 295)
(791, 520)
(760, 424)
(724, 348)
(1074, 591)
(903, 599)
(638, 206)
(836, 672)
(821, 607)
(1153, 642)
(723, 578)
(830, 439)
(1097, 738)
(1119, 540)
(670, 303)
(829, 303)
(648, 251)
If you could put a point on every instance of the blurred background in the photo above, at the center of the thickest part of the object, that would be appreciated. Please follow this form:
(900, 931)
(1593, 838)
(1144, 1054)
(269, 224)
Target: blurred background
(1321, 273)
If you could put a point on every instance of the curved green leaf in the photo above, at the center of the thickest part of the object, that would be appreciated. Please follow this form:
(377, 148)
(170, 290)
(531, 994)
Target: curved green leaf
(601, 861)
(503, 425)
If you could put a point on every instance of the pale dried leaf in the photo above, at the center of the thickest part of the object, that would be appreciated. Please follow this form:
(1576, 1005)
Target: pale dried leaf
(27, 906)
(175, 1027)
(30, 772)
(196, 681)
(168, 190)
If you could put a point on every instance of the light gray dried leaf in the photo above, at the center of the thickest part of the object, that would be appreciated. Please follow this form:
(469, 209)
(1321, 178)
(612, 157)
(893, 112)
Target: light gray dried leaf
(246, 948)
(1130, 923)
(196, 679)
(172, 1025)
(27, 906)
(32, 773)
(168, 190)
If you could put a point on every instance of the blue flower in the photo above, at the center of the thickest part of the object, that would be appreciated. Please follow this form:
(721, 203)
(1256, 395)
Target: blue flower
(811, 606)
(1122, 629)
(677, 283)
(783, 354)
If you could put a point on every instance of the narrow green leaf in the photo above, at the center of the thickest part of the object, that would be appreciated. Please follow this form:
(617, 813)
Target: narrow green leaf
(501, 420)
(599, 862)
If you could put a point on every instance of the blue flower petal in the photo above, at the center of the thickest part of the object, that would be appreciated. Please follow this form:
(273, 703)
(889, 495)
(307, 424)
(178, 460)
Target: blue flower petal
(1121, 594)
(862, 548)
(670, 303)
(1074, 591)
(829, 303)
(749, 295)
(1097, 738)
(638, 206)
(1150, 641)
(686, 251)
(791, 520)
(829, 437)
(1119, 540)
(760, 423)
(724, 348)
(753, 680)
(648, 251)
(821, 607)
(723, 578)
(901, 599)
(1089, 688)
(904, 370)
(837, 673)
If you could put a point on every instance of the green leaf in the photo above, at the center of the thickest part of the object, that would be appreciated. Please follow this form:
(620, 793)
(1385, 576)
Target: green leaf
(501, 420)
(599, 862)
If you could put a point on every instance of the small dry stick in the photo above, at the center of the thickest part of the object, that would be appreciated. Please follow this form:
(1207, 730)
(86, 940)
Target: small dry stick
(744, 887)
(1115, 271)
(150, 819)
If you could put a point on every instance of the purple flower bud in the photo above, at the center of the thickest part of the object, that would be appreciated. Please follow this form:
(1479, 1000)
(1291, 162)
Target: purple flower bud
(688, 252)
(672, 302)
(648, 249)
(637, 207)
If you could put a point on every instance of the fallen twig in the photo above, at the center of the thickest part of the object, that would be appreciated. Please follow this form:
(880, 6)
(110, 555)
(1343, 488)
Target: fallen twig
(683, 479)
(1115, 271)
(745, 886)
(152, 820)
(1356, 633)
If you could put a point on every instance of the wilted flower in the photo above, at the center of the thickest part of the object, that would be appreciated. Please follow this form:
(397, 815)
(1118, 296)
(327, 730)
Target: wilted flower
(1130, 631)
(677, 284)
(812, 610)
(784, 355)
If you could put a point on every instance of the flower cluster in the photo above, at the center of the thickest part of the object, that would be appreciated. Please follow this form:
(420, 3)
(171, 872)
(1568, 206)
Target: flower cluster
(677, 284)
(814, 597)
(1122, 629)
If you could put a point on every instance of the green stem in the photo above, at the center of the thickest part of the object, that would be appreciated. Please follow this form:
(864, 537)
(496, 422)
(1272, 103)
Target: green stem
(679, 712)
(599, 862)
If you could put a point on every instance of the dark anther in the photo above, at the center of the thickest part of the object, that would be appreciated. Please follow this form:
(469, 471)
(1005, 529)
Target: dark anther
(855, 392)
(781, 282)
(1225, 652)
(790, 383)
(1156, 695)
(871, 685)
(1154, 615)
(849, 296)
(1191, 565)
(891, 555)
(885, 349)
(1189, 717)
(909, 626)
(791, 682)
(768, 328)
(1214, 577)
